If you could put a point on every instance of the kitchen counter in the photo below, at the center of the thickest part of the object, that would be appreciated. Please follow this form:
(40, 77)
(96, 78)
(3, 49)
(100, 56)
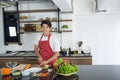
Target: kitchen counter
(88, 72)
(27, 57)
(95, 72)
(31, 53)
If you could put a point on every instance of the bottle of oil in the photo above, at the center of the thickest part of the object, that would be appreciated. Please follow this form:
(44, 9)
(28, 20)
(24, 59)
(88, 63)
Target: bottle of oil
(69, 51)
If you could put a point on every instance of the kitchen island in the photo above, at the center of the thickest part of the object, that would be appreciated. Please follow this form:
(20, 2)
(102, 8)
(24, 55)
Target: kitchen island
(86, 72)
(29, 57)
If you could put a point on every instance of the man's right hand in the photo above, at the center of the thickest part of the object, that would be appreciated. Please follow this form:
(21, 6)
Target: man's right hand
(40, 60)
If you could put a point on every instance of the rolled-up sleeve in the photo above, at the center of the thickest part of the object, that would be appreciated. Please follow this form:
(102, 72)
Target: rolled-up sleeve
(55, 45)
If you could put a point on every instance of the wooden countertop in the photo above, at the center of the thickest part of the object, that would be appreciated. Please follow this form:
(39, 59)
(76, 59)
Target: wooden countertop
(32, 54)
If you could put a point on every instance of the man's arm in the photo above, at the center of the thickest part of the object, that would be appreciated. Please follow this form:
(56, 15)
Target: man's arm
(56, 54)
(36, 49)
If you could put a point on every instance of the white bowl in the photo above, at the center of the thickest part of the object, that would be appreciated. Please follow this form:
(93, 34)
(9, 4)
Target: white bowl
(50, 70)
(66, 74)
(30, 70)
(35, 69)
(26, 72)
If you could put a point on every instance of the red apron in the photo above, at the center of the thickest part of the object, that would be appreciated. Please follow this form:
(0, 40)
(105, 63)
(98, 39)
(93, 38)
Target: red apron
(45, 50)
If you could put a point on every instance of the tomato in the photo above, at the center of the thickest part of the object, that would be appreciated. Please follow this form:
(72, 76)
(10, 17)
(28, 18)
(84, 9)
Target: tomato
(7, 77)
(44, 74)
(66, 60)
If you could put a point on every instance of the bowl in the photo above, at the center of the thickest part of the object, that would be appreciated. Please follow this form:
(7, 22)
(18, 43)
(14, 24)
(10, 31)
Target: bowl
(16, 73)
(35, 69)
(45, 66)
(66, 74)
(26, 72)
(11, 64)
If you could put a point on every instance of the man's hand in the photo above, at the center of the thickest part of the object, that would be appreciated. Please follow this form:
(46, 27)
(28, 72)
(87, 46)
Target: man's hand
(43, 63)
(35, 47)
(40, 60)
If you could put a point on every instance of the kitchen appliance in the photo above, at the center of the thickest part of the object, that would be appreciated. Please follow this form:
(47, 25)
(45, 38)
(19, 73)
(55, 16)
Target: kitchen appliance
(11, 64)
(11, 27)
(86, 50)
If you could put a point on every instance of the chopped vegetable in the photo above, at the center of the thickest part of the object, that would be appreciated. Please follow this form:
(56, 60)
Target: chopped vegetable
(27, 66)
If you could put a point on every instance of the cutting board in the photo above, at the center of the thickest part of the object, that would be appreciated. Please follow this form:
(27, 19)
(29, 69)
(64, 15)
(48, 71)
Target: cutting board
(19, 67)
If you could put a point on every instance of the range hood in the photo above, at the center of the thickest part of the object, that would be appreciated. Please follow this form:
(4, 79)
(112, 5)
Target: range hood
(108, 6)
(66, 6)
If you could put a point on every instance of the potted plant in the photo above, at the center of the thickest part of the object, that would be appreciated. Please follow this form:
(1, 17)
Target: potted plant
(64, 27)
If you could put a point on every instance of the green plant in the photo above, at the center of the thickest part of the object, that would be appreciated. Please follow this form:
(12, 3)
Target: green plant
(64, 26)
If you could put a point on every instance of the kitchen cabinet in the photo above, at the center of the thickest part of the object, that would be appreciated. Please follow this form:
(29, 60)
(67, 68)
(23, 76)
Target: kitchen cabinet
(79, 60)
(30, 57)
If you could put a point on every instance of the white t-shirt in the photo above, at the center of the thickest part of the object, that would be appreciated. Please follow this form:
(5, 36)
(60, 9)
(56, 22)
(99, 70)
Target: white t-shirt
(54, 43)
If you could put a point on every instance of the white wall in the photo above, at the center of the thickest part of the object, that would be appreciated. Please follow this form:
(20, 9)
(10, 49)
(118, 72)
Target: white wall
(2, 47)
(100, 31)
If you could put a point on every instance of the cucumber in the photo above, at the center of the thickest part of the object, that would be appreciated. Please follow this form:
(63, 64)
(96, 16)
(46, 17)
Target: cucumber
(16, 73)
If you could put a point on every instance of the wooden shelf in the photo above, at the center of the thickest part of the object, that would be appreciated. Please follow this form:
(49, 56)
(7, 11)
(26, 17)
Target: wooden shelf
(67, 31)
(41, 31)
(34, 32)
(64, 31)
(66, 20)
(30, 21)
(33, 11)
(33, 21)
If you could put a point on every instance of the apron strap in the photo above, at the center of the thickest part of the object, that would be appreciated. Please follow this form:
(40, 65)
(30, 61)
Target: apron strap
(48, 37)
(41, 37)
